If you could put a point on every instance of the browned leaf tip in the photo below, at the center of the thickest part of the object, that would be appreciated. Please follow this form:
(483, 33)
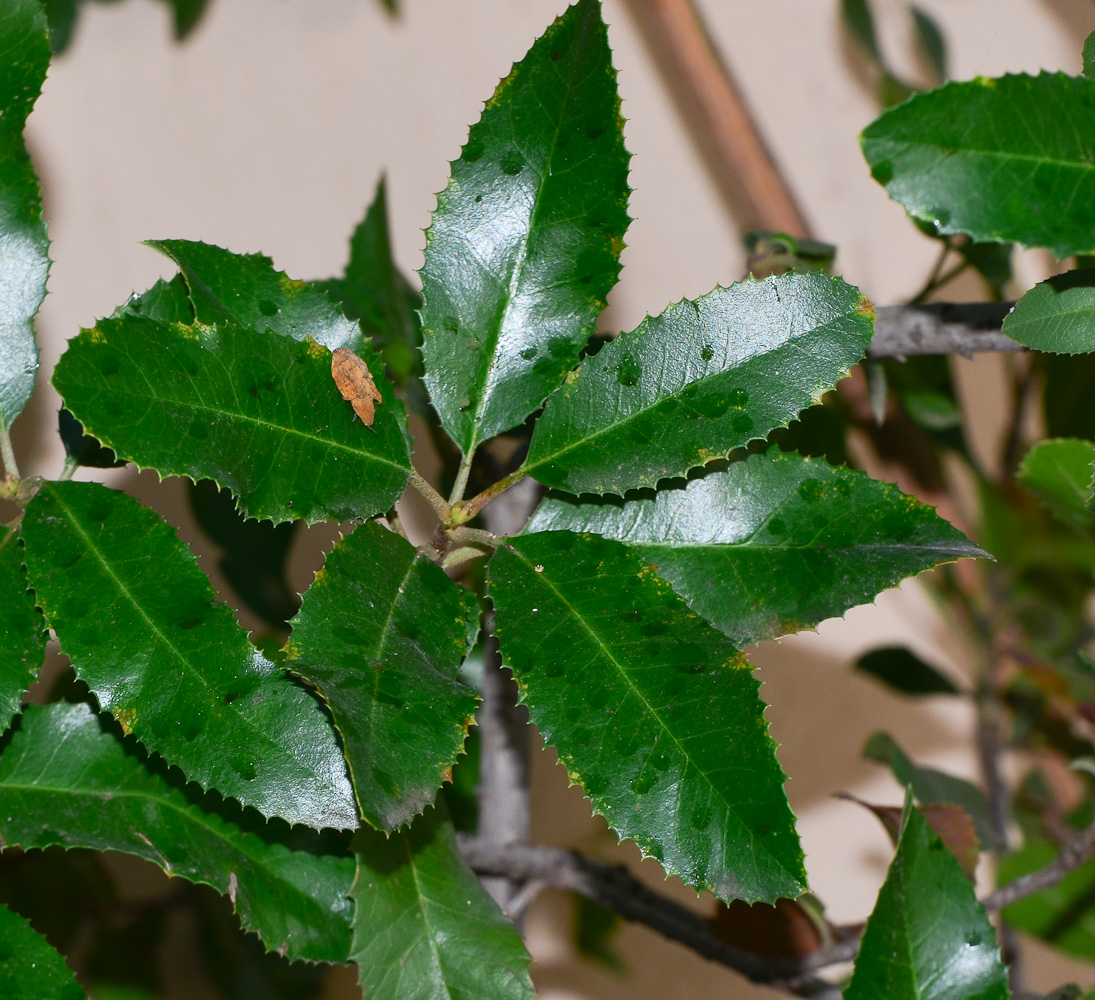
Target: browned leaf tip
(352, 377)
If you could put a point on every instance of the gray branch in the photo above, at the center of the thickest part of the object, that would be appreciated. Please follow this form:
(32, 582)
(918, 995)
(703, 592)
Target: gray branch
(964, 328)
(1079, 849)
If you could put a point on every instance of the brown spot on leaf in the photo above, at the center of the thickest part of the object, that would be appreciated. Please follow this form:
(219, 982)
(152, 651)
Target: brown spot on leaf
(352, 377)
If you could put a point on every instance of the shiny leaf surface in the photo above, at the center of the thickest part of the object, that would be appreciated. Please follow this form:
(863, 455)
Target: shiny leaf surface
(424, 926)
(1058, 472)
(1056, 316)
(246, 290)
(773, 544)
(381, 634)
(652, 711)
(1002, 160)
(145, 631)
(30, 968)
(24, 245)
(259, 415)
(22, 632)
(66, 779)
(525, 242)
(928, 937)
(698, 381)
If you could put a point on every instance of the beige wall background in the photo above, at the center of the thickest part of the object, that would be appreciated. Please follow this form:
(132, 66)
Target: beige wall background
(268, 129)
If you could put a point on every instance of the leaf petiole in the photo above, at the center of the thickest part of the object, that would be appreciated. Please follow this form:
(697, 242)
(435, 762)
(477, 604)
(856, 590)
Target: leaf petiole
(465, 510)
(432, 497)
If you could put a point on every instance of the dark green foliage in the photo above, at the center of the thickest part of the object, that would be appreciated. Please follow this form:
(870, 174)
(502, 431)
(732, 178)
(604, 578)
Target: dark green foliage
(29, 968)
(22, 632)
(904, 671)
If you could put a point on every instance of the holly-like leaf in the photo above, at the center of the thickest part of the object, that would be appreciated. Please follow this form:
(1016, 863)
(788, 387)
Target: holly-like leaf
(22, 633)
(1006, 159)
(24, 245)
(381, 634)
(652, 711)
(928, 937)
(525, 242)
(1058, 472)
(774, 543)
(1056, 316)
(257, 414)
(67, 780)
(30, 968)
(904, 671)
(248, 291)
(145, 632)
(698, 381)
(424, 926)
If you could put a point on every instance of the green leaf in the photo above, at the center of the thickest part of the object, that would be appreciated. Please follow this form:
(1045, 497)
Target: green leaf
(66, 779)
(774, 543)
(166, 301)
(22, 633)
(187, 15)
(1056, 316)
(1089, 56)
(81, 448)
(259, 415)
(930, 786)
(30, 968)
(859, 21)
(698, 381)
(928, 937)
(424, 927)
(247, 290)
(904, 671)
(1058, 472)
(1062, 915)
(61, 15)
(930, 42)
(1005, 159)
(145, 631)
(24, 244)
(525, 242)
(375, 293)
(381, 634)
(653, 712)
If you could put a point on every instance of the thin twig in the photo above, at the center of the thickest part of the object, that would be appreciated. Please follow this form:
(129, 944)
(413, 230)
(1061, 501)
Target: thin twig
(465, 510)
(461, 482)
(7, 454)
(1078, 850)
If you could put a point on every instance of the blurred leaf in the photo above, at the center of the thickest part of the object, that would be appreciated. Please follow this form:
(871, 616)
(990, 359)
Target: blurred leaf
(930, 42)
(928, 937)
(769, 253)
(595, 926)
(933, 411)
(784, 929)
(24, 243)
(1058, 472)
(525, 241)
(424, 926)
(66, 780)
(1069, 385)
(22, 630)
(991, 260)
(1089, 55)
(187, 15)
(1056, 316)
(983, 158)
(904, 671)
(859, 21)
(655, 713)
(144, 630)
(30, 969)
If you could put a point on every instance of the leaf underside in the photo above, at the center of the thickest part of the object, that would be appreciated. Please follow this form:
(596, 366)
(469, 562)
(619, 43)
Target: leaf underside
(22, 632)
(774, 543)
(381, 634)
(424, 926)
(30, 968)
(66, 780)
(652, 711)
(145, 631)
(700, 380)
(1058, 472)
(525, 241)
(1005, 159)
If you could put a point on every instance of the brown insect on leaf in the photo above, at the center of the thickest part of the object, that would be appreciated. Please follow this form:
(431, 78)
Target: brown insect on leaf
(352, 377)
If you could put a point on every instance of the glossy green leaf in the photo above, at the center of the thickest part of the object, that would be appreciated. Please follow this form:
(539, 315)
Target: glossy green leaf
(424, 926)
(1005, 159)
(167, 301)
(22, 633)
(374, 292)
(66, 779)
(904, 671)
(145, 631)
(24, 245)
(698, 381)
(1062, 915)
(259, 415)
(381, 634)
(1058, 472)
(772, 544)
(1056, 316)
(248, 291)
(928, 937)
(930, 786)
(652, 711)
(30, 968)
(525, 242)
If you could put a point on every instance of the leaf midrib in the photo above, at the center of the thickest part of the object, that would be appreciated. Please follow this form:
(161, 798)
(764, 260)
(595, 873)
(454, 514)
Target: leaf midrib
(991, 154)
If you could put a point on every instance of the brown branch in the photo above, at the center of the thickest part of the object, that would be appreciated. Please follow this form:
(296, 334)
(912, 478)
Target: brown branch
(712, 107)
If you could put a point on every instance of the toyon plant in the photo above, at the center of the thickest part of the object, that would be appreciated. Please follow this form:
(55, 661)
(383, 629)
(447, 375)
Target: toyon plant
(616, 519)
